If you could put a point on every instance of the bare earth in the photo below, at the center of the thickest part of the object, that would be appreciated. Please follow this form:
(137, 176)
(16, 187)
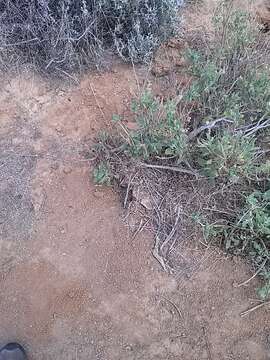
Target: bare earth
(74, 284)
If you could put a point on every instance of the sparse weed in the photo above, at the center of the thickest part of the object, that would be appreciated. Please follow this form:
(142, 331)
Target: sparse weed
(252, 228)
(247, 234)
(235, 31)
(210, 230)
(160, 132)
(101, 174)
(157, 130)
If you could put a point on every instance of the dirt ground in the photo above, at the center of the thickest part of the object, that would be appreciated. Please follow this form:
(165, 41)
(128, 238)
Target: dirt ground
(75, 283)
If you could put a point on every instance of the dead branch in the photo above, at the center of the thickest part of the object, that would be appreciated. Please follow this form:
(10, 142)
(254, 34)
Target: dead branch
(247, 312)
(171, 168)
(257, 127)
(193, 134)
(174, 306)
(254, 275)
(157, 255)
(173, 231)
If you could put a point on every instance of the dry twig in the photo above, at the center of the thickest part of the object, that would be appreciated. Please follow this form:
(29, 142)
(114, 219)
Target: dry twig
(254, 275)
(157, 255)
(174, 306)
(170, 168)
(193, 134)
(256, 307)
(173, 231)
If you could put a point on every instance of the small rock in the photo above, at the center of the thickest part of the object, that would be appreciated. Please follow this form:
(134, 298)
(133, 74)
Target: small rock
(262, 11)
(131, 125)
(143, 198)
(181, 62)
(98, 194)
(160, 70)
(58, 129)
(128, 348)
(174, 43)
(147, 203)
(43, 99)
(55, 166)
(67, 169)
(38, 198)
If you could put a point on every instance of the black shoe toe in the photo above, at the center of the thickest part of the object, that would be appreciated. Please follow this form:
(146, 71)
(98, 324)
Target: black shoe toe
(12, 351)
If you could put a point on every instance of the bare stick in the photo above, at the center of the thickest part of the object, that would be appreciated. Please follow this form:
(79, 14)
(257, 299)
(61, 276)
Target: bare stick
(20, 43)
(67, 74)
(174, 305)
(127, 192)
(157, 255)
(170, 236)
(257, 127)
(219, 211)
(254, 275)
(250, 129)
(97, 102)
(140, 228)
(193, 134)
(170, 168)
(207, 344)
(247, 312)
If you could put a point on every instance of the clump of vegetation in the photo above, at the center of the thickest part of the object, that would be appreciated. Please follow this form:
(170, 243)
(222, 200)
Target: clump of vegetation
(67, 35)
(205, 155)
(231, 75)
(231, 157)
(158, 131)
(250, 232)
(102, 174)
(247, 233)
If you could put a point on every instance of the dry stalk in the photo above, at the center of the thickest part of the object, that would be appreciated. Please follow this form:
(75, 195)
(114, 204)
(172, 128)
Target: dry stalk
(256, 307)
(171, 168)
(254, 275)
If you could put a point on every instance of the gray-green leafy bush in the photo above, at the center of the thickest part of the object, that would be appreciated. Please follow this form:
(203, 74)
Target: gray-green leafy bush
(231, 84)
(159, 129)
(68, 34)
(229, 156)
(156, 130)
(231, 75)
(250, 232)
(247, 234)
(101, 174)
(218, 128)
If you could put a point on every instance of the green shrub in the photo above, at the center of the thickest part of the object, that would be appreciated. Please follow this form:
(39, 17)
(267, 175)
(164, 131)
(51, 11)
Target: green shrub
(231, 78)
(222, 133)
(235, 31)
(158, 129)
(250, 235)
(228, 156)
(247, 234)
(101, 174)
(251, 230)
